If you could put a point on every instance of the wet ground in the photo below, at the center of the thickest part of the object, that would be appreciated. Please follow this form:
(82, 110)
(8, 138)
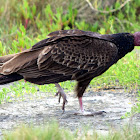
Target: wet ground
(39, 111)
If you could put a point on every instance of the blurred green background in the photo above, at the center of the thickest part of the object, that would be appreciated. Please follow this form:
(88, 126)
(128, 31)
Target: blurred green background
(40, 17)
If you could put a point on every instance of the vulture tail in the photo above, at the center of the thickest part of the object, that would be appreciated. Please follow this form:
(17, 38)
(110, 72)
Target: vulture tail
(4, 79)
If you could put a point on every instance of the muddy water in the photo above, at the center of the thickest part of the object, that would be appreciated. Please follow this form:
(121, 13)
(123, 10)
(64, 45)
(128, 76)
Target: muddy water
(41, 110)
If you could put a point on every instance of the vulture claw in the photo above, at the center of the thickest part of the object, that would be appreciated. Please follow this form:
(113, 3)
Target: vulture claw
(62, 94)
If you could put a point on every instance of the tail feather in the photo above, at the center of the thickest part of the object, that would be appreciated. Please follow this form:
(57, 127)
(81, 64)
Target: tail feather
(6, 58)
(4, 79)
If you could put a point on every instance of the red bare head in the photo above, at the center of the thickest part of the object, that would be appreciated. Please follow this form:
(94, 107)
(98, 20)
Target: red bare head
(137, 38)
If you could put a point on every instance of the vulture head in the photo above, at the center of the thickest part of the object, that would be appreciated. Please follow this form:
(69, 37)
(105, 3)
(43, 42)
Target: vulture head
(137, 39)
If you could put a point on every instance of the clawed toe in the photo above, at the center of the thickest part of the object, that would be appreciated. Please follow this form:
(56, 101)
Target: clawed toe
(85, 113)
(62, 94)
(58, 94)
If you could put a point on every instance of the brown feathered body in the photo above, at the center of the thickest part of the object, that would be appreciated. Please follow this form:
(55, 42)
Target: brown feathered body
(66, 55)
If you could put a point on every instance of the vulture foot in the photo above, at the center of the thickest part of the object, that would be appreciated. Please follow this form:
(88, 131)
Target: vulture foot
(86, 113)
(62, 94)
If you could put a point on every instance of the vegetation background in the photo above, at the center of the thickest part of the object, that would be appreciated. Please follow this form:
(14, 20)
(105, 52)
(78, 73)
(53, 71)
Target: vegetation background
(25, 22)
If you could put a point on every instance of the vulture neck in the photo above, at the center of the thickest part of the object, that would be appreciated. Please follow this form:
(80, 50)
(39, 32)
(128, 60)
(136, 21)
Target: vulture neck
(123, 41)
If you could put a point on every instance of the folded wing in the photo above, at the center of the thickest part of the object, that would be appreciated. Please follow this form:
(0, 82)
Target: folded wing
(66, 55)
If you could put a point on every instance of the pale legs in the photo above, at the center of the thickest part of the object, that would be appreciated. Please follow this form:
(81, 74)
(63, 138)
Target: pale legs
(85, 113)
(81, 104)
(62, 94)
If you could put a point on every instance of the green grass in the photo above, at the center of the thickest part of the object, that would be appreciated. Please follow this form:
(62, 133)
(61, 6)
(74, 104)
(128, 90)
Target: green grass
(52, 131)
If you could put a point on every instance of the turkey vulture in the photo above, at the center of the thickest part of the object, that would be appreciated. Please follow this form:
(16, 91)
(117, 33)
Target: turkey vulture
(68, 55)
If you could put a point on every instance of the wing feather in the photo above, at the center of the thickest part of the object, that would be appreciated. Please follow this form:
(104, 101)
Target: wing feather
(54, 36)
(19, 61)
(73, 54)
(82, 53)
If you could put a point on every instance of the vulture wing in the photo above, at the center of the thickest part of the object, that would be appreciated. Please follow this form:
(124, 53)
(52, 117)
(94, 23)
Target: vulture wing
(71, 54)
(77, 53)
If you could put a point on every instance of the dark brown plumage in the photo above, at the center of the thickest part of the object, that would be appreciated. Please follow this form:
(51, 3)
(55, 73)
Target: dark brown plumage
(68, 55)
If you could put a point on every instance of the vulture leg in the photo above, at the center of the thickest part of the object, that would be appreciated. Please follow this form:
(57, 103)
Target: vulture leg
(86, 113)
(81, 87)
(62, 94)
